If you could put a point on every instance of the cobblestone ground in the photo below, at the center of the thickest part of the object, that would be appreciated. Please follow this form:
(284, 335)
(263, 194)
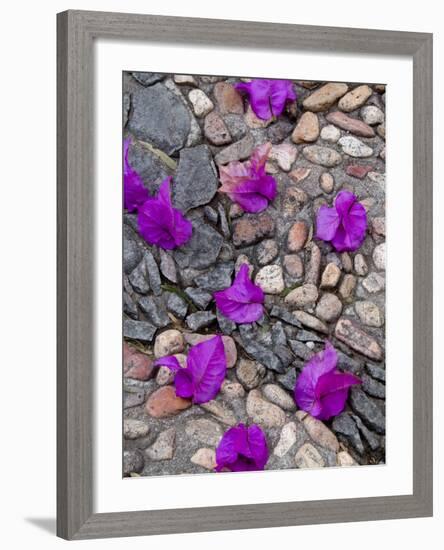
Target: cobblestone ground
(331, 138)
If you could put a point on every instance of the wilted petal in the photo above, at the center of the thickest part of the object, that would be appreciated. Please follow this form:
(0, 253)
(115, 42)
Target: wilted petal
(321, 389)
(268, 97)
(344, 225)
(207, 365)
(254, 195)
(160, 223)
(134, 192)
(242, 449)
(242, 301)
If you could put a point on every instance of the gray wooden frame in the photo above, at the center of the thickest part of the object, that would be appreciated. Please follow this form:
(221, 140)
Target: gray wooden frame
(76, 32)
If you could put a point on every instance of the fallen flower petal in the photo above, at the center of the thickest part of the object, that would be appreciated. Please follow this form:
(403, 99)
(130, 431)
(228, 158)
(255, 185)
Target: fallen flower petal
(242, 449)
(134, 192)
(247, 184)
(321, 389)
(160, 223)
(242, 302)
(202, 378)
(344, 225)
(268, 97)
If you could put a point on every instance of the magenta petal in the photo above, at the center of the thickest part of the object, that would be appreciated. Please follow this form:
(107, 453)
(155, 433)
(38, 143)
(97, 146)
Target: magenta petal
(344, 225)
(332, 392)
(242, 301)
(207, 364)
(242, 449)
(183, 382)
(168, 361)
(161, 224)
(327, 222)
(134, 192)
(268, 97)
(254, 195)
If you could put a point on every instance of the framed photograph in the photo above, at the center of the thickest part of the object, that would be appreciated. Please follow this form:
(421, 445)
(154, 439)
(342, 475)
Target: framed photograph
(244, 275)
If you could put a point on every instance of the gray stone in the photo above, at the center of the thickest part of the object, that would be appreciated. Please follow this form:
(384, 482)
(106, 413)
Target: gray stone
(163, 447)
(357, 339)
(148, 165)
(371, 438)
(376, 372)
(139, 278)
(379, 256)
(373, 283)
(131, 252)
(301, 350)
(372, 387)
(240, 150)
(369, 412)
(133, 398)
(275, 394)
(260, 352)
(286, 316)
(270, 279)
(126, 106)
(195, 182)
(264, 413)
(372, 115)
(155, 311)
(287, 439)
(361, 266)
(288, 380)
(202, 249)
(266, 251)
(153, 273)
(227, 326)
(160, 118)
(200, 319)
(199, 297)
(148, 79)
(345, 426)
(167, 266)
(129, 306)
(211, 214)
(205, 431)
(314, 265)
(176, 305)
(223, 221)
(134, 429)
(329, 307)
(369, 313)
(138, 330)
(322, 155)
(216, 279)
(132, 462)
(330, 133)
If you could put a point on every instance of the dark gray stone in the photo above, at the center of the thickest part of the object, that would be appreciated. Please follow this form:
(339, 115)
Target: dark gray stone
(223, 222)
(348, 364)
(308, 336)
(138, 330)
(216, 279)
(131, 252)
(372, 387)
(378, 373)
(367, 410)
(200, 319)
(345, 426)
(168, 266)
(288, 380)
(227, 326)
(371, 438)
(148, 79)
(132, 462)
(211, 214)
(148, 165)
(195, 182)
(126, 106)
(159, 117)
(139, 278)
(285, 315)
(155, 311)
(300, 350)
(153, 273)
(279, 131)
(129, 307)
(202, 249)
(258, 351)
(199, 297)
(175, 304)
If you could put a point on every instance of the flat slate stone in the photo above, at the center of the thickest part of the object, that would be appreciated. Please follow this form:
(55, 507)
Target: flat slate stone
(138, 330)
(202, 249)
(148, 79)
(159, 117)
(195, 182)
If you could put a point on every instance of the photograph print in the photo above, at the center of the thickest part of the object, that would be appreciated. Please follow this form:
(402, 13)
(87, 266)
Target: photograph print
(253, 267)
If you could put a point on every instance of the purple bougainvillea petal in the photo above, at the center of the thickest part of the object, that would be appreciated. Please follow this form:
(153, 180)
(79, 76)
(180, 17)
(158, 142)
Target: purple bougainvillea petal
(134, 192)
(321, 389)
(207, 365)
(161, 224)
(344, 225)
(267, 97)
(184, 384)
(242, 302)
(242, 449)
(168, 361)
(327, 223)
(247, 183)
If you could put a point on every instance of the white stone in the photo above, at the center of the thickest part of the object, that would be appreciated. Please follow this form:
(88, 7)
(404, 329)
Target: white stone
(372, 115)
(308, 457)
(163, 447)
(287, 440)
(205, 457)
(133, 429)
(373, 283)
(330, 133)
(379, 256)
(354, 147)
(270, 279)
(185, 79)
(369, 313)
(202, 104)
